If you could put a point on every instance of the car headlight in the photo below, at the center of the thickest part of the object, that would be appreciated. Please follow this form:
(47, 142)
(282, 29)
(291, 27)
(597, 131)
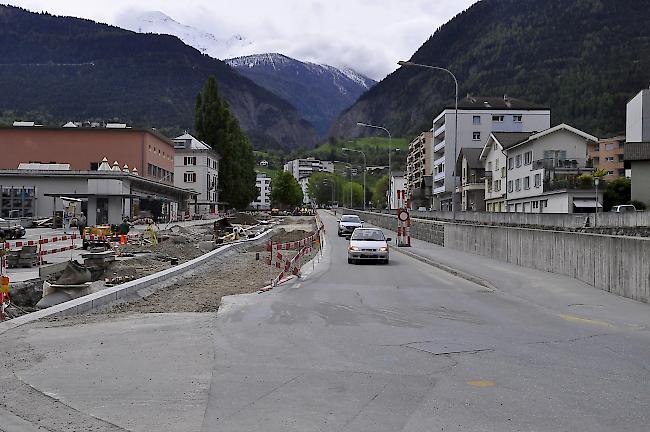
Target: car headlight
(383, 249)
(354, 249)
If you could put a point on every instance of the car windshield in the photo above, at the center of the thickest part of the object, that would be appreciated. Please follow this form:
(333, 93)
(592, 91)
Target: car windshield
(350, 219)
(368, 235)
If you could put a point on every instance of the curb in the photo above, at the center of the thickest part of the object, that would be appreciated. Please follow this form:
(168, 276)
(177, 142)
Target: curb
(109, 295)
(280, 282)
(455, 272)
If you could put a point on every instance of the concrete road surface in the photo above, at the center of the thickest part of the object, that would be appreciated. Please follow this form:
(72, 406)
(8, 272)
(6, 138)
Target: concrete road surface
(398, 347)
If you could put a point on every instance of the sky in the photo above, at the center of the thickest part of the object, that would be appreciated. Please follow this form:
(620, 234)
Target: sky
(369, 36)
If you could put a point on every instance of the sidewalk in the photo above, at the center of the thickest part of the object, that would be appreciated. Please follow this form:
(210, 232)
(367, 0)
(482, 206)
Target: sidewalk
(567, 297)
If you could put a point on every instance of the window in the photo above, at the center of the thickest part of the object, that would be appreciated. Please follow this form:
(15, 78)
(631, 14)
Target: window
(527, 182)
(596, 148)
(518, 184)
(609, 146)
(189, 177)
(538, 180)
(528, 158)
(489, 185)
(518, 160)
(509, 185)
(497, 118)
(610, 172)
(511, 164)
(476, 136)
(476, 120)
(535, 204)
(621, 143)
(543, 203)
(609, 159)
(496, 164)
(489, 166)
(503, 172)
(495, 146)
(517, 118)
(497, 185)
(189, 160)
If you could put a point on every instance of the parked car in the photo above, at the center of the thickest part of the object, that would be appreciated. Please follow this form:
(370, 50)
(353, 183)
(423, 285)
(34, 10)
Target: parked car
(623, 208)
(11, 229)
(348, 223)
(368, 244)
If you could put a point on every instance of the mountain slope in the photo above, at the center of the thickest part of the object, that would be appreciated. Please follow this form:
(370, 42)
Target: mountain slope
(55, 69)
(582, 58)
(158, 23)
(319, 92)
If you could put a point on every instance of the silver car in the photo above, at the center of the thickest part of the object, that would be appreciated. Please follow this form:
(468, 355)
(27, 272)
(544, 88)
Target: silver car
(348, 223)
(368, 244)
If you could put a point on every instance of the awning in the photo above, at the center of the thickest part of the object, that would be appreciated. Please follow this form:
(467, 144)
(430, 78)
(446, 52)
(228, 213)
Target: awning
(587, 204)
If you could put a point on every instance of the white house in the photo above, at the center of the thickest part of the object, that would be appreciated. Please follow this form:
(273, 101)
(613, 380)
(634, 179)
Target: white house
(542, 173)
(477, 118)
(263, 200)
(301, 168)
(196, 167)
(397, 185)
(493, 158)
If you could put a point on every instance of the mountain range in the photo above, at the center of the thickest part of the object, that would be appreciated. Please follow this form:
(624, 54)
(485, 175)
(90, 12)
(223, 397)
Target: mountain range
(56, 69)
(583, 58)
(319, 92)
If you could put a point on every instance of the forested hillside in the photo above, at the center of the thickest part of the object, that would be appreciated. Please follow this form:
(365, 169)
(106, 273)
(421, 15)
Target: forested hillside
(57, 69)
(583, 58)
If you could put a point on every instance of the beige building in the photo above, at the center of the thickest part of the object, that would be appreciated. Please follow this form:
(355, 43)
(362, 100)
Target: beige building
(608, 154)
(419, 167)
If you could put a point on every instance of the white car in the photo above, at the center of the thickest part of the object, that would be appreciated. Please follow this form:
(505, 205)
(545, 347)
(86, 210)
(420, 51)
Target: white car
(623, 208)
(348, 223)
(368, 244)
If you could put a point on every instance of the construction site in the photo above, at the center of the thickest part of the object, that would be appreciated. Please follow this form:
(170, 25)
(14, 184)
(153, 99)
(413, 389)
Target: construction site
(262, 251)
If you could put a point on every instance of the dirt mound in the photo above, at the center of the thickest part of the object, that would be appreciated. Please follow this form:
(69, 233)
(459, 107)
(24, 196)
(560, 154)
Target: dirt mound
(243, 219)
(283, 235)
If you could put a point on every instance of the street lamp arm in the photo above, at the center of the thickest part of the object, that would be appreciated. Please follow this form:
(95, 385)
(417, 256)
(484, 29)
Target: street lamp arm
(408, 63)
(374, 127)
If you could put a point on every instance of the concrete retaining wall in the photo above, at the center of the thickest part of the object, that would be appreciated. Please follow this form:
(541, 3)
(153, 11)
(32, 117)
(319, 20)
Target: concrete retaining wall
(118, 292)
(618, 264)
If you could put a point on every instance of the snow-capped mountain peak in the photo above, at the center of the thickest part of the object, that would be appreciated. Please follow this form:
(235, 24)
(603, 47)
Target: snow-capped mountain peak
(159, 23)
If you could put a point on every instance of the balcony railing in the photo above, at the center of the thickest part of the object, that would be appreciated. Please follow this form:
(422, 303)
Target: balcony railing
(554, 164)
(439, 176)
(439, 131)
(439, 146)
(573, 183)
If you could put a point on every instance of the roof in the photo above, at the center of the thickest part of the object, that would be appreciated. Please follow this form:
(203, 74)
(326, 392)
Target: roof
(496, 103)
(88, 129)
(562, 126)
(637, 151)
(505, 139)
(472, 155)
(195, 144)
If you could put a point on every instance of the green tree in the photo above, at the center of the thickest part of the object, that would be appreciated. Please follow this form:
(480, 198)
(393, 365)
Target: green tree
(379, 192)
(218, 128)
(285, 190)
(323, 188)
(617, 192)
(357, 195)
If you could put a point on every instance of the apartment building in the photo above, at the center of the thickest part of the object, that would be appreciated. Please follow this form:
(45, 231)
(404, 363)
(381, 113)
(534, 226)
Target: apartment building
(471, 187)
(608, 154)
(477, 118)
(397, 186)
(196, 167)
(543, 173)
(637, 131)
(263, 200)
(419, 168)
(494, 160)
(301, 168)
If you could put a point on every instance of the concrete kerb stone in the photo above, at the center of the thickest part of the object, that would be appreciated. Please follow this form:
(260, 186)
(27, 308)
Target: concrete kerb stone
(92, 301)
(450, 270)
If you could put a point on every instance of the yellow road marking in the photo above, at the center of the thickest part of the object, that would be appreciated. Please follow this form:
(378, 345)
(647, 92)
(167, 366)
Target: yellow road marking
(584, 320)
(481, 383)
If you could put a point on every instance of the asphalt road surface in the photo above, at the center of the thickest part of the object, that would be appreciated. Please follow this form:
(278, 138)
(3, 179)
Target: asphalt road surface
(398, 347)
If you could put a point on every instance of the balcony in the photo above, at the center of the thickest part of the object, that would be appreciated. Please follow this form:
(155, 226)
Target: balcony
(439, 161)
(572, 183)
(439, 146)
(562, 164)
(439, 176)
(439, 131)
(439, 190)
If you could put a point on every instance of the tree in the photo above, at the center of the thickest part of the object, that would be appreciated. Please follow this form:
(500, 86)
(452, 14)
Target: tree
(324, 187)
(379, 192)
(357, 194)
(285, 190)
(218, 128)
(617, 192)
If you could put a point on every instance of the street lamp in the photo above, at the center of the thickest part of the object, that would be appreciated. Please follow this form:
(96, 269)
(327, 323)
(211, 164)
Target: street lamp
(390, 144)
(596, 183)
(453, 194)
(364, 172)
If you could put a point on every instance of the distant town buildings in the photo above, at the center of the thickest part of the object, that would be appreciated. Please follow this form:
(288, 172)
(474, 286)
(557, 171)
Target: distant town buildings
(609, 154)
(301, 168)
(263, 200)
(477, 118)
(419, 169)
(196, 167)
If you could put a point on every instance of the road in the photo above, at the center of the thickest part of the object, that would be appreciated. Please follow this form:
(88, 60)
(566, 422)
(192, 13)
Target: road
(398, 347)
